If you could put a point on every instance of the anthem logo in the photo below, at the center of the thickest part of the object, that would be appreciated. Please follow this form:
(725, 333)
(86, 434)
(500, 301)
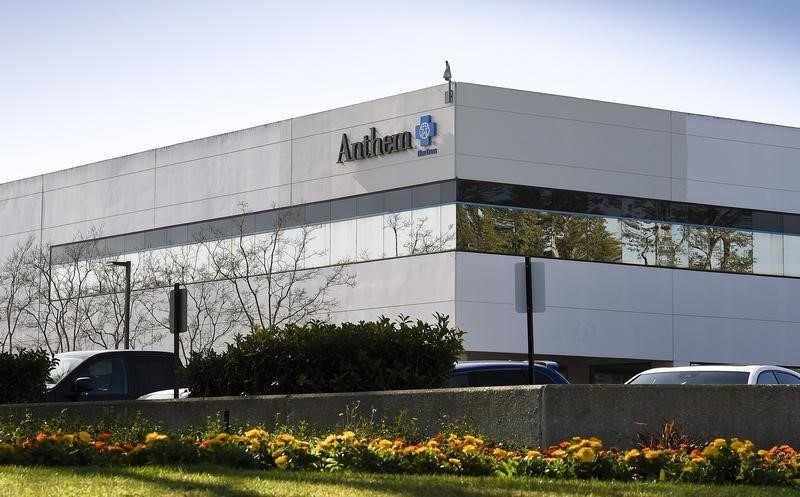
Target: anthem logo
(424, 131)
(376, 145)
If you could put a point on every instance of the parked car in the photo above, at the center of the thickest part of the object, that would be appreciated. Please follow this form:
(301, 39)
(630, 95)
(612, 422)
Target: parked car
(498, 373)
(717, 375)
(109, 375)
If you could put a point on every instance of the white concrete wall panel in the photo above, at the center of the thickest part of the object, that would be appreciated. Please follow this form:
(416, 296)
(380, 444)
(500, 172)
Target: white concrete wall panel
(561, 142)
(21, 214)
(563, 177)
(736, 341)
(105, 226)
(96, 200)
(736, 196)
(224, 144)
(705, 294)
(215, 207)
(735, 130)
(103, 170)
(224, 175)
(714, 163)
(21, 188)
(573, 307)
(576, 109)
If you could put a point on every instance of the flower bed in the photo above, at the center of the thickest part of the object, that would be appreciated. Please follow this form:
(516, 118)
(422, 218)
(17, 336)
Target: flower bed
(720, 461)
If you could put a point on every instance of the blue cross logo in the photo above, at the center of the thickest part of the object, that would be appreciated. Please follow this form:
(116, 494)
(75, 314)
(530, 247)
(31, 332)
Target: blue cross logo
(425, 130)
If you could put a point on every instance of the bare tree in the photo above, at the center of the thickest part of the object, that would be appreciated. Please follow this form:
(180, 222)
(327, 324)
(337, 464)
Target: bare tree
(17, 290)
(272, 275)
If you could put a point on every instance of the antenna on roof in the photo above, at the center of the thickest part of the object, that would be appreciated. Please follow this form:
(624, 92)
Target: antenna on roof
(448, 99)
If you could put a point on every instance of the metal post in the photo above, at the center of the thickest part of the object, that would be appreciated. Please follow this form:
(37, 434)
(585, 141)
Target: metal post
(127, 331)
(177, 343)
(529, 312)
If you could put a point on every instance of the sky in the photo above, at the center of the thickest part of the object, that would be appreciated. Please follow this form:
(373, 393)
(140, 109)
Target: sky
(83, 81)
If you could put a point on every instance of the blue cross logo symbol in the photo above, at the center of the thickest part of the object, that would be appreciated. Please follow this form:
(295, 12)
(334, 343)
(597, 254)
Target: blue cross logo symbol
(425, 130)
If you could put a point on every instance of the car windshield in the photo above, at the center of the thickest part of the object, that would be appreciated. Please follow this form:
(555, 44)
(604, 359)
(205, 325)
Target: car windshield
(64, 366)
(692, 378)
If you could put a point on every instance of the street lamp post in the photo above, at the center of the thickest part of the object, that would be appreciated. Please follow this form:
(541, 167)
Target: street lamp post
(127, 325)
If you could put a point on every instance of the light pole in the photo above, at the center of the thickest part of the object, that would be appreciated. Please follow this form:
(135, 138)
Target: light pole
(127, 325)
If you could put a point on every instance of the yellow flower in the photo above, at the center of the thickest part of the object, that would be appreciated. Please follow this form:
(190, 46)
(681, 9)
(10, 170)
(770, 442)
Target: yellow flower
(632, 454)
(585, 455)
(499, 453)
(84, 437)
(348, 435)
(454, 461)
(256, 433)
(469, 449)
(281, 461)
(277, 453)
(285, 437)
(710, 450)
(221, 437)
(719, 442)
(150, 438)
(533, 453)
(69, 438)
(558, 453)
(385, 444)
(652, 454)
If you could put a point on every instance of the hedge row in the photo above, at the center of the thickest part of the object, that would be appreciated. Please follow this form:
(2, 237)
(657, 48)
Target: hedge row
(324, 357)
(23, 375)
(720, 461)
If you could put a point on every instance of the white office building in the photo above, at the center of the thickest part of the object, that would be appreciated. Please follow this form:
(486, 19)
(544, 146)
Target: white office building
(657, 237)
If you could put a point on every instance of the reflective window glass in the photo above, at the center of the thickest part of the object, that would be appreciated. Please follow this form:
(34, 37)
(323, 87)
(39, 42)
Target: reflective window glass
(791, 255)
(317, 245)
(343, 241)
(369, 238)
(767, 253)
(397, 230)
(767, 378)
(787, 379)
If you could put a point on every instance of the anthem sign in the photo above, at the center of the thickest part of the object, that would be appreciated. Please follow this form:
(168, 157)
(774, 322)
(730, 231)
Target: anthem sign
(373, 145)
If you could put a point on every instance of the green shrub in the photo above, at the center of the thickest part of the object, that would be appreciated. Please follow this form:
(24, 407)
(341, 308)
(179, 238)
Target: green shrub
(23, 376)
(324, 357)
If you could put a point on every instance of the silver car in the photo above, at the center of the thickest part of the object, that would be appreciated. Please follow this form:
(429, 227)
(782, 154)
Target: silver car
(717, 375)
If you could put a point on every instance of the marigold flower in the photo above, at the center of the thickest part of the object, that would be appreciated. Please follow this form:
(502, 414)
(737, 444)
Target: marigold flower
(385, 444)
(149, 439)
(85, 437)
(69, 438)
(281, 461)
(632, 454)
(454, 461)
(533, 454)
(469, 449)
(652, 454)
(285, 437)
(256, 433)
(41, 436)
(348, 435)
(558, 453)
(105, 437)
(499, 453)
(277, 453)
(586, 455)
(98, 445)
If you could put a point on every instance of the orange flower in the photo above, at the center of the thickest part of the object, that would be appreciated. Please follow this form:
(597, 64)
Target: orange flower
(104, 437)
(99, 445)
(41, 436)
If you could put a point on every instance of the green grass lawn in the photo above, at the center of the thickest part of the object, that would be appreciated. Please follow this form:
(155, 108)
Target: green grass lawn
(213, 481)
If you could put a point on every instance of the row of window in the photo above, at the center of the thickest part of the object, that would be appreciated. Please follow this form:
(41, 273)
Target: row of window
(504, 230)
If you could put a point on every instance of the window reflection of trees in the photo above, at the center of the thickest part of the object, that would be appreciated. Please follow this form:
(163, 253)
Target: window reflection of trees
(594, 238)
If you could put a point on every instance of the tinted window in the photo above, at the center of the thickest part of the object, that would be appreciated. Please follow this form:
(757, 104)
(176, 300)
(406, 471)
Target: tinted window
(151, 374)
(692, 378)
(787, 379)
(497, 377)
(107, 377)
(767, 378)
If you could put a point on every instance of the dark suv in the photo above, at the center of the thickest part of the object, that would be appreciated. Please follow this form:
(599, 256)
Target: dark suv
(109, 375)
(498, 373)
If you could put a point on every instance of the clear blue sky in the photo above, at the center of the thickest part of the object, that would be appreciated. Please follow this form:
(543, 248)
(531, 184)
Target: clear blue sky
(83, 80)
